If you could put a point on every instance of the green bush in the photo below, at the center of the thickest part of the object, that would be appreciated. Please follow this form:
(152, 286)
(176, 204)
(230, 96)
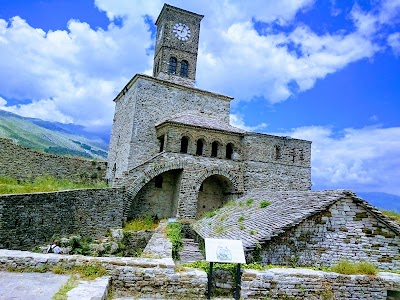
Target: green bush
(142, 223)
(174, 233)
(349, 268)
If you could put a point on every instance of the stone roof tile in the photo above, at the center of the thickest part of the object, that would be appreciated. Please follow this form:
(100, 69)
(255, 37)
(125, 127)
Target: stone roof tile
(245, 219)
(202, 121)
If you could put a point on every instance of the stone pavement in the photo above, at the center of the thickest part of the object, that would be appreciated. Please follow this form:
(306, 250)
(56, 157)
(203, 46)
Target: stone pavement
(24, 286)
(43, 286)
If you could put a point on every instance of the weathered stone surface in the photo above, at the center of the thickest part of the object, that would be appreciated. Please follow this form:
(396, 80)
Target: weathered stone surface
(29, 220)
(24, 163)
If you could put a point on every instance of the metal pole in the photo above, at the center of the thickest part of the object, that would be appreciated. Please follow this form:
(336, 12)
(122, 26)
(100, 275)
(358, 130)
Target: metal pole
(210, 281)
(238, 282)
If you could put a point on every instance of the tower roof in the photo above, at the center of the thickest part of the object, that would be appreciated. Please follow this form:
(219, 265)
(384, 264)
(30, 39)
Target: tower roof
(167, 6)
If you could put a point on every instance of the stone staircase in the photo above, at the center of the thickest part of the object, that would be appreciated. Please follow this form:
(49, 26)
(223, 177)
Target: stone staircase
(190, 252)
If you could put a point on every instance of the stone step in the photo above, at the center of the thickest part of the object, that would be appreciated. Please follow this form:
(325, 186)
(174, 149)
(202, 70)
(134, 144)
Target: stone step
(190, 251)
(96, 289)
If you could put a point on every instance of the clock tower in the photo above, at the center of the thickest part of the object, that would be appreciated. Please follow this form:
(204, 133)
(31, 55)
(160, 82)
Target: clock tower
(177, 44)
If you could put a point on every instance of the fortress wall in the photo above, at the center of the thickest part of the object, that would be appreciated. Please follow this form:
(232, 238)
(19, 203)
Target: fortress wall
(24, 163)
(28, 220)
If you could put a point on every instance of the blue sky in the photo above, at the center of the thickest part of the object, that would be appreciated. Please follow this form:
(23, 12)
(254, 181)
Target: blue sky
(327, 71)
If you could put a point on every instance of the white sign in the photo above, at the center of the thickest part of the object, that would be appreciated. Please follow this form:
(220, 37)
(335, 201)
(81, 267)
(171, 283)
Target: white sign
(224, 251)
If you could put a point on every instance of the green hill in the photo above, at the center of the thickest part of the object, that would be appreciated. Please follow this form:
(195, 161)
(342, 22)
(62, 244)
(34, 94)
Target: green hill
(51, 137)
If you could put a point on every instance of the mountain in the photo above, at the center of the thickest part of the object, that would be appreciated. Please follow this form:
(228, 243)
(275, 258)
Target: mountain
(52, 137)
(382, 200)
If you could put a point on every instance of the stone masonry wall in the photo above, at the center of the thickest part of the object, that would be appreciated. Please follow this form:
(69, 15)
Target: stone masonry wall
(28, 220)
(145, 102)
(345, 231)
(24, 163)
(308, 284)
(151, 278)
(157, 279)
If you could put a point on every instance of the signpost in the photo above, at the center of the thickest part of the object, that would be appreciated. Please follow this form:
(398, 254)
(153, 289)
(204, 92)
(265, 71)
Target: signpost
(224, 251)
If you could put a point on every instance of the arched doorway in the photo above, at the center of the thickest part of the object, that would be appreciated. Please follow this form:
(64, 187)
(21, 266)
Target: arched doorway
(158, 197)
(214, 192)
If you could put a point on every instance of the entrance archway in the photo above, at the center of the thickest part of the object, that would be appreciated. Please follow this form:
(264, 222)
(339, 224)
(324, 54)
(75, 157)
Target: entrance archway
(214, 192)
(158, 197)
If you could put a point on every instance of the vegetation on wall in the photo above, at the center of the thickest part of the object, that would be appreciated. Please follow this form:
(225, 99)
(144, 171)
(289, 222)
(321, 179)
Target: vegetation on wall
(10, 185)
(175, 235)
(142, 223)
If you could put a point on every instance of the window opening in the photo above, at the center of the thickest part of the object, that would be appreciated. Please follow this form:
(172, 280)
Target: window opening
(184, 68)
(158, 181)
(161, 140)
(199, 147)
(184, 144)
(278, 154)
(172, 65)
(214, 149)
(229, 151)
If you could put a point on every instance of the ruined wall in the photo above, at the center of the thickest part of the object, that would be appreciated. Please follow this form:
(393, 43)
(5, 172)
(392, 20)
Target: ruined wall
(28, 220)
(345, 231)
(158, 278)
(309, 284)
(24, 163)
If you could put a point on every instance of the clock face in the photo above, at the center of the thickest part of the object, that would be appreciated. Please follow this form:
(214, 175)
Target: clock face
(181, 31)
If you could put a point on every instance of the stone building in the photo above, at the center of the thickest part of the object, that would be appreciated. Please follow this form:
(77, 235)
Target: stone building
(172, 146)
(307, 228)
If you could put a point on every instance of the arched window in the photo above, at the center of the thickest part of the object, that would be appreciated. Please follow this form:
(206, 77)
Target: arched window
(158, 181)
(184, 144)
(214, 149)
(229, 151)
(172, 65)
(199, 147)
(278, 154)
(184, 68)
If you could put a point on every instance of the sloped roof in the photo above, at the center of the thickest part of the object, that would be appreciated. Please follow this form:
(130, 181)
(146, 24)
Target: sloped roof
(202, 121)
(246, 220)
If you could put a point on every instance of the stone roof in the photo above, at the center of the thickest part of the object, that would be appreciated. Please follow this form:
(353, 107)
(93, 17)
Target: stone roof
(202, 121)
(244, 219)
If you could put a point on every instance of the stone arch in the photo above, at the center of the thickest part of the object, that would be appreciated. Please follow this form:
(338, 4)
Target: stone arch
(232, 178)
(151, 171)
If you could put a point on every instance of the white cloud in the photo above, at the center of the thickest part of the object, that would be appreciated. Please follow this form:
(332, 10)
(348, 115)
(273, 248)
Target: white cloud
(75, 70)
(237, 121)
(394, 42)
(3, 102)
(364, 159)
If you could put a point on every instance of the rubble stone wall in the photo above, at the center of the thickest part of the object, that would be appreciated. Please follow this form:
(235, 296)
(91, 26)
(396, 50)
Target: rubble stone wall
(24, 163)
(28, 220)
(309, 284)
(345, 231)
(157, 279)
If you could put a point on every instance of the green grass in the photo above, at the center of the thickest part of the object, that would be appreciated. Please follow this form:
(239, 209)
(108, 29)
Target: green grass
(42, 184)
(349, 268)
(395, 216)
(142, 223)
(264, 204)
(71, 283)
(86, 271)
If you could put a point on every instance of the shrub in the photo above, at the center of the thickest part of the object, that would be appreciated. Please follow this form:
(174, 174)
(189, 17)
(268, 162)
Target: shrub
(142, 223)
(174, 233)
(348, 268)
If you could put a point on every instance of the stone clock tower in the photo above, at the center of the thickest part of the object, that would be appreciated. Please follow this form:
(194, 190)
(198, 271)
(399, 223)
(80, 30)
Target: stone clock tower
(177, 44)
